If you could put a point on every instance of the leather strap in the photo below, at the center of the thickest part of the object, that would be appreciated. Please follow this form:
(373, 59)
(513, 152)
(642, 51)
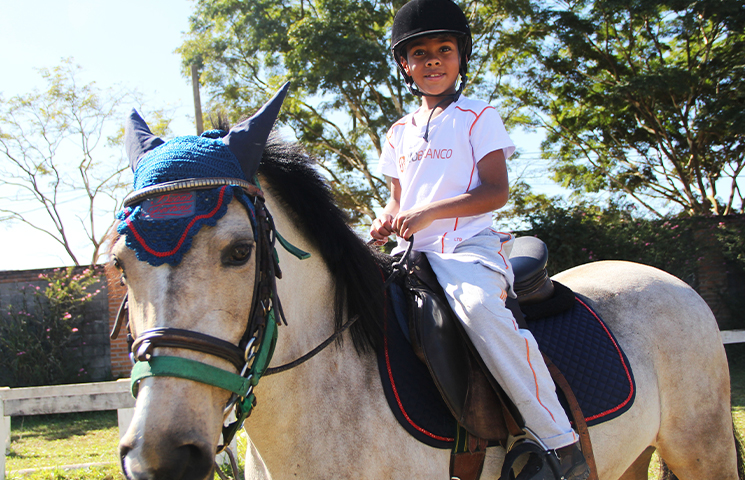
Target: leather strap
(190, 340)
(577, 415)
(469, 464)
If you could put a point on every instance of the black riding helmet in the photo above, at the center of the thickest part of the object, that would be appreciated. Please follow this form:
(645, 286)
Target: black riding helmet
(420, 18)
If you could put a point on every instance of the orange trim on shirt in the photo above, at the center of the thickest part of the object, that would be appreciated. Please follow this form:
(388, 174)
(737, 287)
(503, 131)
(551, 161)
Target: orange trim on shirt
(477, 115)
(473, 169)
(390, 132)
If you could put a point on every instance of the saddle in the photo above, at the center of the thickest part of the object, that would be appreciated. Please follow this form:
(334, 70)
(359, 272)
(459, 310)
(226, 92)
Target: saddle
(473, 396)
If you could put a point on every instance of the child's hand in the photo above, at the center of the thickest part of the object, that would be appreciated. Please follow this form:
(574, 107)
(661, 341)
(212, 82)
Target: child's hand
(382, 228)
(408, 222)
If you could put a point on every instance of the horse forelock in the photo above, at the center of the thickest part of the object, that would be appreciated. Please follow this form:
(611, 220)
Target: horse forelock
(358, 270)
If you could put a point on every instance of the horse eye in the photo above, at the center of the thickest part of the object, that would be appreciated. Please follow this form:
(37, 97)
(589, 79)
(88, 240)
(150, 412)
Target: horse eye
(118, 265)
(238, 254)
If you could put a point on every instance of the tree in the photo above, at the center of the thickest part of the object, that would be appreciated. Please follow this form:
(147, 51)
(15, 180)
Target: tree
(645, 99)
(51, 143)
(346, 90)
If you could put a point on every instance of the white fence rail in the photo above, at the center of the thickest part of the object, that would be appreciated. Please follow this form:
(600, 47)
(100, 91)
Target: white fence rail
(83, 397)
(733, 336)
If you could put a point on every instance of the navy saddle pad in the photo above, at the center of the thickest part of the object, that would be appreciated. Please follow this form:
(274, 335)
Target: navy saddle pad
(577, 341)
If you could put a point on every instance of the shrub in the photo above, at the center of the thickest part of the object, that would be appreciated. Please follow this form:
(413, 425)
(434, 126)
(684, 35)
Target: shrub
(583, 234)
(36, 335)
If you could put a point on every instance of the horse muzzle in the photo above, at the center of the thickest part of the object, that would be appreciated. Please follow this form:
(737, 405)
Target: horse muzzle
(169, 438)
(169, 460)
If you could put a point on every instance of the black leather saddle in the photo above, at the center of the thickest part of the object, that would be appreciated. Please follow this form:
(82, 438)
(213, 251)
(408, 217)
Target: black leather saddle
(476, 400)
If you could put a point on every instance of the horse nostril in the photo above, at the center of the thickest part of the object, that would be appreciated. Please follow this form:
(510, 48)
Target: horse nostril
(199, 462)
(187, 462)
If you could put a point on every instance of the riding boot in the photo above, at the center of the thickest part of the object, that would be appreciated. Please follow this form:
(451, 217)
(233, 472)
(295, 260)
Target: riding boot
(572, 464)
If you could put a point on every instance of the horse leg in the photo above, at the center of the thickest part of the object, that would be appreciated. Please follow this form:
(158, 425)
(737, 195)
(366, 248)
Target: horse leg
(638, 470)
(699, 443)
(255, 468)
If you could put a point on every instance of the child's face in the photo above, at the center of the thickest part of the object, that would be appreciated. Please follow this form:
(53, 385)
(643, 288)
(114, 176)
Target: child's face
(433, 63)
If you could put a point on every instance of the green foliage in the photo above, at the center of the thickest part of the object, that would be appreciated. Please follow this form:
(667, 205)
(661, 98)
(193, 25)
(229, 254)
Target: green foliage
(35, 339)
(333, 51)
(731, 236)
(581, 234)
(645, 99)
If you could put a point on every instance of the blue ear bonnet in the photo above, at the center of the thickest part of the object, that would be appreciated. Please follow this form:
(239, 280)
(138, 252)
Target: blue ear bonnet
(188, 157)
(160, 230)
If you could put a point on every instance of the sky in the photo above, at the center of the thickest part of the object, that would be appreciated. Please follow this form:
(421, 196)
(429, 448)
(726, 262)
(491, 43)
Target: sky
(127, 44)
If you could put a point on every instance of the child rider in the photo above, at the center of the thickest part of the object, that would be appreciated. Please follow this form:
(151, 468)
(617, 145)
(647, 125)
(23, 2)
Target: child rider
(448, 173)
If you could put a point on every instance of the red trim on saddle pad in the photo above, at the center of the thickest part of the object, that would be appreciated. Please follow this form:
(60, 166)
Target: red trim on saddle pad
(623, 362)
(393, 382)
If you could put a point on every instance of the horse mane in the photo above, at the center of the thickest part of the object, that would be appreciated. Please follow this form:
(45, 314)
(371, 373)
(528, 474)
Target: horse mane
(357, 268)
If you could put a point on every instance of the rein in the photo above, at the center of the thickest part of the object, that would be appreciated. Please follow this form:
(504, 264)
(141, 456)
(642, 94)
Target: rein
(253, 353)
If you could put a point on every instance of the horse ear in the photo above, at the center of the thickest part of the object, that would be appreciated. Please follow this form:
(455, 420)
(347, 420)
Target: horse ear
(138, 139)
(248, 139)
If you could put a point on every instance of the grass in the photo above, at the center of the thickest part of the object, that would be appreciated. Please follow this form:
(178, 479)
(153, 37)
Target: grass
(47, 443)
(52, 441)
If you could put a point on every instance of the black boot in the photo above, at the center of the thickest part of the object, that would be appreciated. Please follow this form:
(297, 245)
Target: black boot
(572, 465)
(572, 462)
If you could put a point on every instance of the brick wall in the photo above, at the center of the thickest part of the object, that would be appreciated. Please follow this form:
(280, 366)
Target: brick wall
(120, 362)
(712, 277)
(88, 352)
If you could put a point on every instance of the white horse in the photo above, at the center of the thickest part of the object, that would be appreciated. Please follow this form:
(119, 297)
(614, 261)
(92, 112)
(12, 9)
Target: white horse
(328, 417)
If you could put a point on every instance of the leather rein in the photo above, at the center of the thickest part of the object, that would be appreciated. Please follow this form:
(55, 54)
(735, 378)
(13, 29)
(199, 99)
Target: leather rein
(253, 353)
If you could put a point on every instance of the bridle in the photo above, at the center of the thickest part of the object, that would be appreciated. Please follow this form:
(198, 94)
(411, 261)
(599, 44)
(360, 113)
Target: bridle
(254, 351)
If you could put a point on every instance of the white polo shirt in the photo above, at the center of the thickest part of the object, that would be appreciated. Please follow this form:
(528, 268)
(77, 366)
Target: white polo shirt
(444, 167)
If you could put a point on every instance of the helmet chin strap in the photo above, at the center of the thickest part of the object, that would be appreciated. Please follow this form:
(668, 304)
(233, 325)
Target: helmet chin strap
(449, 96)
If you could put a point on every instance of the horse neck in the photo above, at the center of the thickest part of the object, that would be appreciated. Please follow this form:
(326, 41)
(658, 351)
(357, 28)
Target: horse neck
(319, 416)
(307, 291)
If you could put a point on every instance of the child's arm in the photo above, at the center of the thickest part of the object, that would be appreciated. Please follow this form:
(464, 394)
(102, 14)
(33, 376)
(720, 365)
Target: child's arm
(382, 227)
(491, 195)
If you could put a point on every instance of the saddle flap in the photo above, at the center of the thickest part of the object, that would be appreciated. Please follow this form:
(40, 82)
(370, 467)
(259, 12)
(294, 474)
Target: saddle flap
(462, 383)
(441, 343)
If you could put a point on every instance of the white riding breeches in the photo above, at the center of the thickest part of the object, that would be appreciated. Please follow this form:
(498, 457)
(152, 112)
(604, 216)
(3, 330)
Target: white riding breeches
(477, 278)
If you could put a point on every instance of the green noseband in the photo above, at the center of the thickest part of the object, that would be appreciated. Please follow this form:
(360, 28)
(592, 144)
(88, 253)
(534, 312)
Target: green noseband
(179, 367)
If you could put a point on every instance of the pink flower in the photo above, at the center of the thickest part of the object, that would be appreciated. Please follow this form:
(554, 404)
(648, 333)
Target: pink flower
(67, 316)
(74, 330)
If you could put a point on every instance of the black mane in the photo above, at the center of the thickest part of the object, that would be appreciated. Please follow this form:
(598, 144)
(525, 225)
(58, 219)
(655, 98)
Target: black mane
(356, 268)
